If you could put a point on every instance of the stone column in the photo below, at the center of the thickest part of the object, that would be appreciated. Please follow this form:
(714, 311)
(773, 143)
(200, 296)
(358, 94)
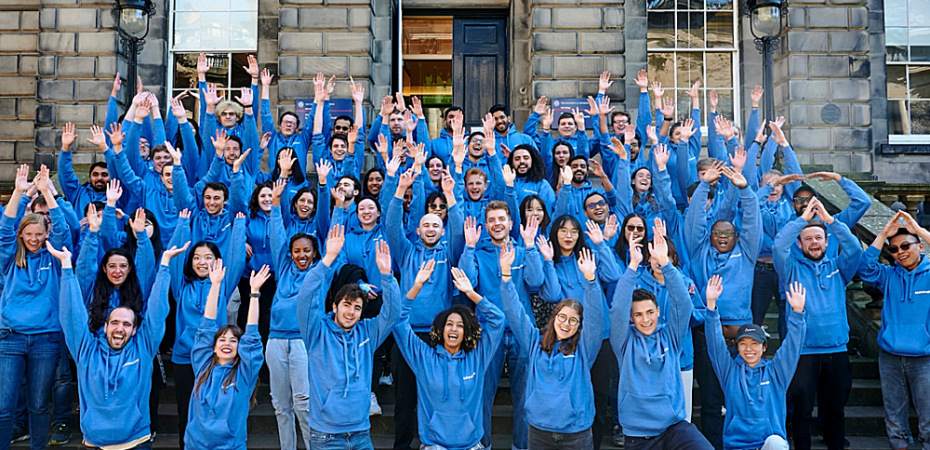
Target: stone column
(19, 61)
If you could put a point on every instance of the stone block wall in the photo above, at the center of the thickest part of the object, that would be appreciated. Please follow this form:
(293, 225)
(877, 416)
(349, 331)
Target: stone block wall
(822, 83)
(19, 64)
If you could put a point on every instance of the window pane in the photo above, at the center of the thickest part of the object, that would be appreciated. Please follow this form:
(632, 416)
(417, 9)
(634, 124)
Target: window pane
(898, 117)
(243, 5)
(920, 44)
(896, 44)
(691, 30)
(214, 30)
(690, 68)
(660, 4)
(683, 109)
(719, 30)
(185, 71)
(920, 81)
(720, 5)
(662, 68)
(918, 16)
(724, 103)
(240, 78)
(214, 5)
(920, 117)
(243, 27)
(661, 32)
(219, 68)
(719, 70)
(187, 31)
(895, 12)
(187, 5)
(428, 36)
(897, 83)
(430, 80)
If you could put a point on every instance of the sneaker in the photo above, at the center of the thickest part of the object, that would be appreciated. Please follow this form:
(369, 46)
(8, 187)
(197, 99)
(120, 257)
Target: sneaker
(846, 444)
(61, 434)
(618, 439)
(20, 434)
(375, 408)
(386, 380)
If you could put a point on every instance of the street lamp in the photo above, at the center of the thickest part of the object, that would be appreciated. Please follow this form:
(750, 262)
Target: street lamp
(767, 21)
(133, 23)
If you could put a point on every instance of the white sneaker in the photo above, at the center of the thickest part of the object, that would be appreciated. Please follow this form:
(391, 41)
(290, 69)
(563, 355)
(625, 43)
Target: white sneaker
(375, 408)
(386, 380)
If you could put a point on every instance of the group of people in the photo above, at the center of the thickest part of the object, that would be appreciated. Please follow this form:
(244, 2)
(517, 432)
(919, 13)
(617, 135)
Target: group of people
(450, 258)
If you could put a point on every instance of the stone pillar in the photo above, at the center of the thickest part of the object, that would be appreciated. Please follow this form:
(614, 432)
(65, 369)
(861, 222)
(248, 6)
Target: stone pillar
(822, 84)
(19, 61)
(573, 41)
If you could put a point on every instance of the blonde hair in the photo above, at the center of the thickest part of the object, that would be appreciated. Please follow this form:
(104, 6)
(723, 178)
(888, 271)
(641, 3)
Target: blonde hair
(30, 219)
(222, 106)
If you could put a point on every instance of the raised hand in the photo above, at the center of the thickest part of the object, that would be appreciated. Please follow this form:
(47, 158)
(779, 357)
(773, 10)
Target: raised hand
(472, 232)
(545, 248)
(212, 95)
(382, 148)
(636, 253)
(821, 212)
(724, 127)
(463, 284)
(587, 265)
(760, 135)
(358, 91)
(175, 153)
(410, 121)
(661, 155)
(777, 134)
(143, 109)
(658, 249)
(117, 85)
(651, 134)
(712, 174)
(787, 179)
(406, 180)
(138, 223)
(594, 232)
(93, 220)
(540, 107)
(713, 291)
(399, 96)
(547, 120)
(687, 129)
(509, 175)
(22, 179)
(809, 211)
(393, 165)
(738, 159)
(219, 143)
(756, 96)
(611, 227)
(334, 241)
(238, 162)
(177, 109)
(245, 97)
(734, 176)
(489, 144)
(566, 174)
(416, 106)
(642, 80)
(67, 137)
(617, 147)
(825, 176)
(276, 190)
(530, 231)
(596, 169)
(387, 106)
(592, 107)
(63, 255)
(425, 272)
(114, 192)
(202, 65)
(712, 100)
(604, 107)
(338, 197)
(252, 68)
(629, 134)
(666, 106)
(507, 256)
(323, 170)
(217, 271)
(167, 255)
(266, 76)
(603, 82)
(352, 137)
(579, 118)
(693, 92)
(657, 89)
(330, 86)
(97, 138)
(447, 183)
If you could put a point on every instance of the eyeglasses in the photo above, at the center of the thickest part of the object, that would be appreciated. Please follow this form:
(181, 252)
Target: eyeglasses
(228, 113)
(562, 318)
(571, 232)
(722, 233)
(439, 206)
(597, 204)
(292, 123)
(904, 247)
(802, 199)
(637, 228)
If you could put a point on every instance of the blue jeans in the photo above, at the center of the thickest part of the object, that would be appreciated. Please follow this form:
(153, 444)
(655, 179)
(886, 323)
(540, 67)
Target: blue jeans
(61, 395)
(35, 357)
(358, 440)
(516, 358)
(764, 289)
(290, 389)
(902, 377)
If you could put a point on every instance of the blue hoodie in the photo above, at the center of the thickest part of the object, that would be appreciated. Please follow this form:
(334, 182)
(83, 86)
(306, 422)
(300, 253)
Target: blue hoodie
(206, 227)
(299, 141)
(29, 301)
(545, 141)
(219, 416)
(341, 361)
(114, 385)
(775, 215)
(825, 280)
(349, 165)
(483, 269)
(436, 294)
(450, 387)
(755, 396)
(570, 200)
(651, 396)
(79, 194)
(905, 327)
(569, 281)
(258, 235)
(191, 294)
(542, 188)
(648, 282)
(317, 225)
(360, 246)
(442, 146)
(152, 195)
(289, 279)
(559, 393)
(88, 265)
(735, 267)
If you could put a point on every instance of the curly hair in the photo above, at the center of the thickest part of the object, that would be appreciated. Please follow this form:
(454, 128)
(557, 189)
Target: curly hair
(472, 333)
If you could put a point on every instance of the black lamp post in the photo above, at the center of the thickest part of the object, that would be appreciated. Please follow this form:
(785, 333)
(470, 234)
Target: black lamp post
(767, 21)
(133, 22)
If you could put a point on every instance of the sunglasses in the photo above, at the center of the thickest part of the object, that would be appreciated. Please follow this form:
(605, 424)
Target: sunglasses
(562, 318)
(341, 128)
(636, 228)
(597, 204)
(802, 199)
(724, 233)
(439, 206)
(904, 247)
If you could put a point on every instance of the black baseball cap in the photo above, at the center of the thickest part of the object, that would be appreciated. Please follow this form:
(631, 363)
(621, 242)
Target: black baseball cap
(752, 331)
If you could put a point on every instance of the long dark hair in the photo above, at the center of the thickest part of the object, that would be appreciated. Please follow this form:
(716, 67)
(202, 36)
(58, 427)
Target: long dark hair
(208, 369)
(130, 293)
(560, 222)
(254, 207)
(437, 195)
(132, 243)
(550, 338)
(556, 179)
(300, 193)
(297, 175)
(365, 190)
(649, 196)
(538, 170)
(189, 273)
(472, 330)
(623, 247)
(525, 204)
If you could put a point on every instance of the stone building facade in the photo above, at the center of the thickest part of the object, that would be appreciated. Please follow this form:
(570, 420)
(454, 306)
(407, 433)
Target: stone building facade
(58, 59)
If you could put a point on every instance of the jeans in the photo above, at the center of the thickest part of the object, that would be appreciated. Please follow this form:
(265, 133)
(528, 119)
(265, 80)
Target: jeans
(61, 395)
(828, 378)
(711, 393)
(775, 442)
(680, 436)
(600, 379)
(477, 446)
(516, 359)
(764, 288)
(357, 440)
(290, 389)
(547, 440)
(33, 357)
(902, 377)
(405, 398)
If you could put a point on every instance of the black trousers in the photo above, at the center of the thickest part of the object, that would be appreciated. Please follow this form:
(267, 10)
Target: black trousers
(604, 366)
(405, 398)
(828, 378)
(184, 379)
(711, 394)
(159, 381)
(680, 436)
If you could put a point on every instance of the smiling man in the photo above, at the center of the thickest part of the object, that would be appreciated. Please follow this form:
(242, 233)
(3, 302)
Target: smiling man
(824, 371)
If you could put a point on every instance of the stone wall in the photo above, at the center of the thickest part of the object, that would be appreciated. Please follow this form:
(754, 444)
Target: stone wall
(19, 64)
(822, 84)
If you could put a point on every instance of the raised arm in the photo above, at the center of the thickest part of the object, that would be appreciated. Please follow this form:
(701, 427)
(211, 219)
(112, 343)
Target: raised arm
(523, 327)
(312, 294)
(71, 310)
(717, 350)
(70, 184)
(787, 356)
(390, 307)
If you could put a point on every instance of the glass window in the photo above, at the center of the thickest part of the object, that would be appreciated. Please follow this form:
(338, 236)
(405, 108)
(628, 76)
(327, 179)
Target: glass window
(907, 45)
(427, 56)
(690, 40)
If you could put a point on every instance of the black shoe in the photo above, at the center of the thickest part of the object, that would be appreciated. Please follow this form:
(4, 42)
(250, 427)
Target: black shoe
(20, 434)
(846, 444)
(61, 435)
(618, 439)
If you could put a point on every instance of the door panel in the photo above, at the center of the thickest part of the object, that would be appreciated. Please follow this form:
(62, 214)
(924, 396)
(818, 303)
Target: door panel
(479, 65)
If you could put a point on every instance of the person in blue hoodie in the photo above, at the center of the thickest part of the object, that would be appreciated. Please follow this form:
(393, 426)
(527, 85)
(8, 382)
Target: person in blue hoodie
(824, 371)
(227, 361)
(650, 397)
(570, 129)
(560, 395)
(483, 268)
(433, 296)
(531, 174)
(293, 255)
(114, 369)
(755, 387)
(340, 348)
(442, 145)
(95, 189)
(576, 187)
(189, 285)
(904, 337)
(505, 133)
(450, 362)
(345, 151)
(29, 307)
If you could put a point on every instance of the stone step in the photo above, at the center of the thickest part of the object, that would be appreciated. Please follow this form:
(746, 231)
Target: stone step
(865, 392)
(860, 421)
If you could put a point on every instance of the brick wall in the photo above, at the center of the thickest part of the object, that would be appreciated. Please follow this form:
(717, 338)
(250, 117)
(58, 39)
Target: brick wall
(822, 84)
(19, 62)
